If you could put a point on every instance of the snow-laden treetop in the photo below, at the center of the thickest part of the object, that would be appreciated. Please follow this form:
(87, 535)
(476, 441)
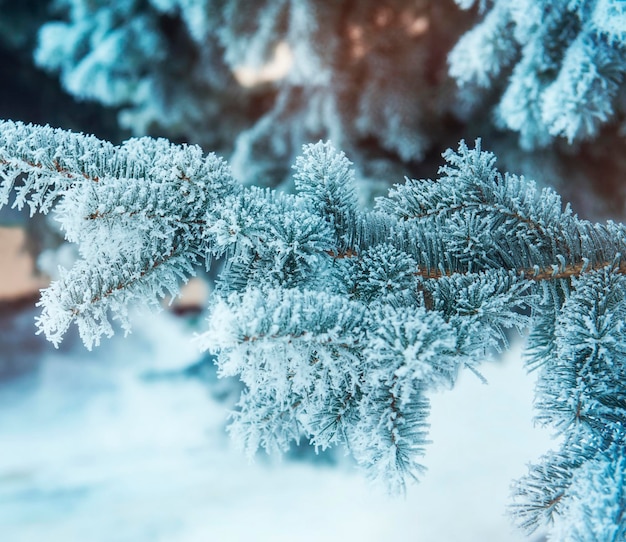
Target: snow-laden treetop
(340, 320)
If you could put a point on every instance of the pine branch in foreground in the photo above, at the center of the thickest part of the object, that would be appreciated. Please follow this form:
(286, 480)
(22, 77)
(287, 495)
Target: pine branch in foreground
(340, 320)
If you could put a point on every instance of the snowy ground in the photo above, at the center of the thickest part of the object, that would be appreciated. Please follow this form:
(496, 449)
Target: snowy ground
(92, 450)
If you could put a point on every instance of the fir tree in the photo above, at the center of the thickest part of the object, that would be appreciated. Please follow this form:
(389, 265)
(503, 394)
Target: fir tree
(340, 320)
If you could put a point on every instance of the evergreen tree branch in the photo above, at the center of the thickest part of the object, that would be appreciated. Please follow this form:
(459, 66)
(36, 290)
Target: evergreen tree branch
(339, 321)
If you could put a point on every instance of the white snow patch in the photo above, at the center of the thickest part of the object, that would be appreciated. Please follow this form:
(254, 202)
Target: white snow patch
(92, 450)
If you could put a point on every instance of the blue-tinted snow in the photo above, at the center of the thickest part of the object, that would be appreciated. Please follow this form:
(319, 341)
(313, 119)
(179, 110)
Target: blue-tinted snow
(91, 449)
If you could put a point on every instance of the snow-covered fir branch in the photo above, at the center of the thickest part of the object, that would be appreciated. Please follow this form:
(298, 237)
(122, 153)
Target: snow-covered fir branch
(340, 320)
(564, 64)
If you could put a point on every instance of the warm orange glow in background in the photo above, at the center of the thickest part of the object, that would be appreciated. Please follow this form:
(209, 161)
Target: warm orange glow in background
(17, 270)
(18, 277)
(274, 70)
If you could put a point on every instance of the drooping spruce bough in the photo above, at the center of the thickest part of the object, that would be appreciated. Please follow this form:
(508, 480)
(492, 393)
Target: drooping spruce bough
(340, 320)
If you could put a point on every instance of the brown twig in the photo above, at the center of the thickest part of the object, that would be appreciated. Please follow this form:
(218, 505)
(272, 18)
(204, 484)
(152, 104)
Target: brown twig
(123, 285)
(56, 167)
(560, 272)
